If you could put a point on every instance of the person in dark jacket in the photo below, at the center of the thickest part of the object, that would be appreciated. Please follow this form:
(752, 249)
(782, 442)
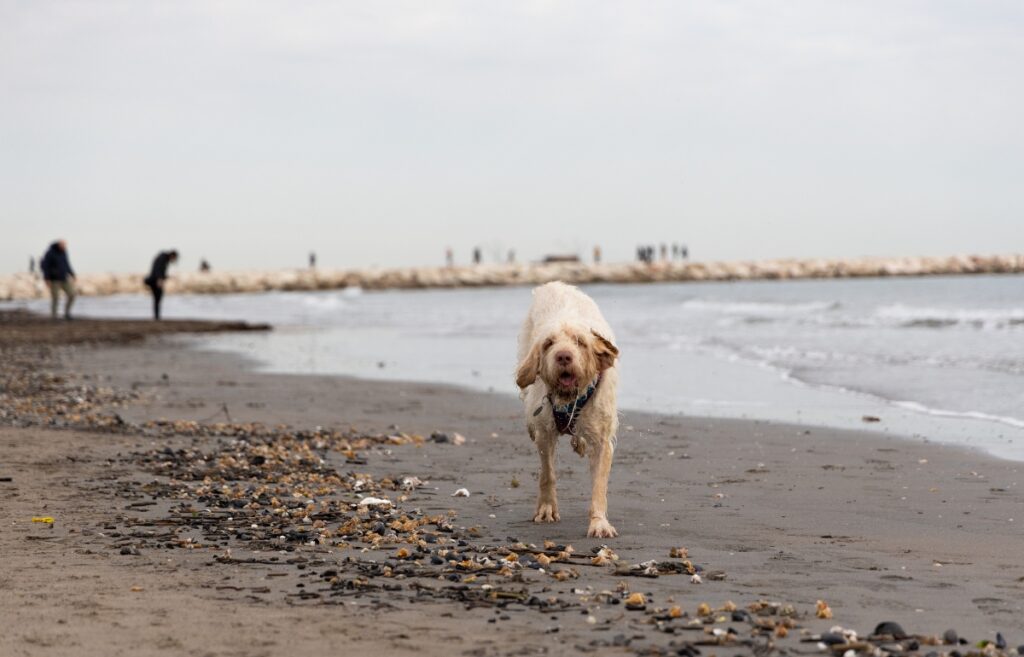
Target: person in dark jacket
(157, 276)
(58, 274)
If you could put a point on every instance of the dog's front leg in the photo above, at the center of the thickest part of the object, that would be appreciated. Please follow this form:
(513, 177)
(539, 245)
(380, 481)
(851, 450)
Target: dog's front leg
(547, 501)
(600, 468)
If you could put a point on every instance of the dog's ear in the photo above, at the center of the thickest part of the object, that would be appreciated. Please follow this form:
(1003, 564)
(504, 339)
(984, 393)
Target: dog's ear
(529, 368)
(605, 351)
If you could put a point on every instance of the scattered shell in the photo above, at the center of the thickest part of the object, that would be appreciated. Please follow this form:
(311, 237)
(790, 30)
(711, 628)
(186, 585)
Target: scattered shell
(636, 601)
(823, 610)
(374, 501)
(462, 492)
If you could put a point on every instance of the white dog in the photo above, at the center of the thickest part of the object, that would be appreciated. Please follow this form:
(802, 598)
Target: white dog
(567, 377)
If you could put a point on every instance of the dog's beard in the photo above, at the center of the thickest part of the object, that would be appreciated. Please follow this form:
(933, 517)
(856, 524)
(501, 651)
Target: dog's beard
(565, 383)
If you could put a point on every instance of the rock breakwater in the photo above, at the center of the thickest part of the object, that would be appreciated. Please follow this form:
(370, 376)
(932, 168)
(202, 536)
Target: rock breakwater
(26, 286)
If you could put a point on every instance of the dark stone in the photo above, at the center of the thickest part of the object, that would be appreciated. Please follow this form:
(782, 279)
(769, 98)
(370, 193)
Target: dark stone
(950, 636)
(890, 628)
(833, 639)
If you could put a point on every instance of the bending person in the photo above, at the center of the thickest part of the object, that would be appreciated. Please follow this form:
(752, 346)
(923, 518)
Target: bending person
(157, 277)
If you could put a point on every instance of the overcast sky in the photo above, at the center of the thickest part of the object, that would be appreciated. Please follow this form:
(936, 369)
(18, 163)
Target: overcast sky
(381, 132)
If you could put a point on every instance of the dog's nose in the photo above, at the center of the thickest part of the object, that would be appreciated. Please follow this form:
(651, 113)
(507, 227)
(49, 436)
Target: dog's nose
(563, 358)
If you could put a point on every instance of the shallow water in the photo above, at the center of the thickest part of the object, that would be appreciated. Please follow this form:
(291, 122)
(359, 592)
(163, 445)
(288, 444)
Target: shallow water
(935, 358)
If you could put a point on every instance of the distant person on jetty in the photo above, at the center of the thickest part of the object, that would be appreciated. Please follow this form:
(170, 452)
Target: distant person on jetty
(312, 259)
(597, 255)
(476, 256)
(449, 257)
(58, 274)
(31, 264)
(204, 266)
(158, 276)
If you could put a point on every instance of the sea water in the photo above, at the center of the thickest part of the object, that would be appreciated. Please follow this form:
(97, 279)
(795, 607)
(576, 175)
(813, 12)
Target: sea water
(936, 358)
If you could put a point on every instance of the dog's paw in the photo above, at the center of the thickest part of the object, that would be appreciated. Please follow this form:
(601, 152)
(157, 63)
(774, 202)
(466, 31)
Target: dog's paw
(601, 528)
(546, 513)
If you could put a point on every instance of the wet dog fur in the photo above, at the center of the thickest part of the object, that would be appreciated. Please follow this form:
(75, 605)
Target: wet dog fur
(564, 344)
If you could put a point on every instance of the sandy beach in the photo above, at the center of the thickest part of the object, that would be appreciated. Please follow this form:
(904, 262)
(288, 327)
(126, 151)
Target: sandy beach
(134, 448)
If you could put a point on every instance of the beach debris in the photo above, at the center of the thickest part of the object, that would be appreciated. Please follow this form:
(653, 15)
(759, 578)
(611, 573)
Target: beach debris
(679, 553)
(871, 418)
(636, 602)
(603, 555)
(695, 579)
(890, 629)
(822, 610)
(43, 519)
(462, 492)
(458, 439)
(514, 483)
(374, 501)
(411, 482)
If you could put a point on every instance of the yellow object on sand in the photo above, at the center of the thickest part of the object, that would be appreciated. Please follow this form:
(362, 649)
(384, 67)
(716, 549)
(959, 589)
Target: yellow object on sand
(46, 519)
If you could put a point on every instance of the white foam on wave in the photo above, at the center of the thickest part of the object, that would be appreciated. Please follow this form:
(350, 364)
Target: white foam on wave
(967, 415)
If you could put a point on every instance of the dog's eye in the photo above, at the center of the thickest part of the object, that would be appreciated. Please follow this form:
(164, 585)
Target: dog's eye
(548, 343)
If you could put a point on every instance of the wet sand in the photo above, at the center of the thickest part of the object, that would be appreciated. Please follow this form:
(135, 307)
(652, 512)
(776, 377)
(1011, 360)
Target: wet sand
(883, 529)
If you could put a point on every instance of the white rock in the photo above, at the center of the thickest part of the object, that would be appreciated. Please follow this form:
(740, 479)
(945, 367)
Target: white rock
(462, 492)
(374, 501)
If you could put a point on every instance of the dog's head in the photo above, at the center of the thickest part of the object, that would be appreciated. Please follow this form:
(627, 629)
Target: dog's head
(567, 360)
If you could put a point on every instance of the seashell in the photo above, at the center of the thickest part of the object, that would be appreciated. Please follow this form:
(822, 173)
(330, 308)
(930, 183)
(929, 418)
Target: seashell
(636, 601)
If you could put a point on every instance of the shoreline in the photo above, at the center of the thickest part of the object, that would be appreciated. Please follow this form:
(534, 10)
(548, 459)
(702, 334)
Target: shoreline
(880, 528)
(23, 286)
(146, 538)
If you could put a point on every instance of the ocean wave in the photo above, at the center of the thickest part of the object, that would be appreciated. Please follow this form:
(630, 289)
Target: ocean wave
(924, 317)
(759, 308)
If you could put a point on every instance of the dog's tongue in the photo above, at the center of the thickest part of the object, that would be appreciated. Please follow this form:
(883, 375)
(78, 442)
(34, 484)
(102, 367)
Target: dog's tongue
(567, 380)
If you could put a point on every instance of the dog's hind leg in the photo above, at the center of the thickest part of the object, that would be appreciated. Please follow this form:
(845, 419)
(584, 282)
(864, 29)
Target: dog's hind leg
(547, 500)
(601, 453)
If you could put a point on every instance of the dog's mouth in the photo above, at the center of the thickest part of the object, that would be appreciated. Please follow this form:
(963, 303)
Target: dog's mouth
(567, 381)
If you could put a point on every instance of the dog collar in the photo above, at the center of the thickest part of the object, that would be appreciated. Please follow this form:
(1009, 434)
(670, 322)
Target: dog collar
(566, 414)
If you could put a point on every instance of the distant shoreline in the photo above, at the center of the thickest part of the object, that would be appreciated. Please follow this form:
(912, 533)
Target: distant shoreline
(26, 286)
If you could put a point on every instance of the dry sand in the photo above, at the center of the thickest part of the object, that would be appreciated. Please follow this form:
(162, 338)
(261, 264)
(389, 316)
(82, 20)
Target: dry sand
(879, 527)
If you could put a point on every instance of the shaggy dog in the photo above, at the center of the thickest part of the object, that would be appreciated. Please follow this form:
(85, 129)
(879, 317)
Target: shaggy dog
(567, 379)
